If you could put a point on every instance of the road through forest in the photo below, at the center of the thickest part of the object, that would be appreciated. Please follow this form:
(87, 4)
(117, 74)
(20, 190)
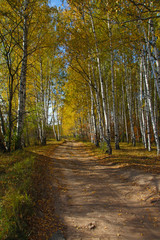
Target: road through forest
(98, 201)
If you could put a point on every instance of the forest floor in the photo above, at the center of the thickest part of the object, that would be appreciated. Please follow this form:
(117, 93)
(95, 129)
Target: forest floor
(84, 196)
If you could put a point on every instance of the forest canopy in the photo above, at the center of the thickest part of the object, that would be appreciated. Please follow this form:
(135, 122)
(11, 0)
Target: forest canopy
(90, 70)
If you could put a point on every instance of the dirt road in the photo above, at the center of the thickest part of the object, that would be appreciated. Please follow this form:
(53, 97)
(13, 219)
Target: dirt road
(103, 201)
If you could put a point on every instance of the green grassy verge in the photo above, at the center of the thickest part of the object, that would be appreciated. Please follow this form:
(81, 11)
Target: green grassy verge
(18, 174)
(16, 205)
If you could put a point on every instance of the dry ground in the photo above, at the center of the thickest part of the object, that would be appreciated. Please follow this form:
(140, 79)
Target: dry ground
(81, 197)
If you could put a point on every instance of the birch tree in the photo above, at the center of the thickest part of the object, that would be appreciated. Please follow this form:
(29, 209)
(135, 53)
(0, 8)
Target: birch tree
(22, 88)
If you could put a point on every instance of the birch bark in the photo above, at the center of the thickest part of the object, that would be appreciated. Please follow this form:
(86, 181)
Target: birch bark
(156, 74)
(155, 54)
(94, 132)
(43, 118)
(58, 130)
(54, 130)
(22, 88)
(97, 104)
(10, 113)
(107, 138)
(2, 132)
(108, 106)
(150, 105)
(147, 120)
(116, 132)
(129, 103)
(141, 108)
(124, 112)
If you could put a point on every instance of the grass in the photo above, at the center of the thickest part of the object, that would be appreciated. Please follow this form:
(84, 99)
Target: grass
(17, 174)
(15, 202)
(50, 144)
(129, 156)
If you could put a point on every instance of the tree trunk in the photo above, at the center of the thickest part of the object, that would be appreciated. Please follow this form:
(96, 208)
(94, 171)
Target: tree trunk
(147, 120)
(94, 131)
(116, 132)
(93, 121)
(129, 103)
(2, 143)
(125, 117)
(10, 113)
(107, 137)
(3, 146)
(156, 75)
(97, 104)
(156, 56)
(150, 105)
(58, 130)
(54, 130)
(141, 108)
(43, 112)
(53, 120)
(155, 106)
(108, 106)
(22, 89)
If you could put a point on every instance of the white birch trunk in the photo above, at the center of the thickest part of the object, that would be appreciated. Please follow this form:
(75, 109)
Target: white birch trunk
(22, 88)
(94, 133)
(116, 132)
(147, 120)
(141, 108)
(53, 121)
(93, 119)
(58, 130)
(125, 117)
(108, 106)
(91, 129)
(156, 75)
(97, 104)
(43, 118)
(156, 55)
(107, 138)
(137, 119)
(148, 128)
(150, 105)
(155, 106)
(129, 103)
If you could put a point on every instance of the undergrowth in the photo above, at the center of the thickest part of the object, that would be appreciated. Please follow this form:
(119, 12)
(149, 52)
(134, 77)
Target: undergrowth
(15, 202)
(18, 173)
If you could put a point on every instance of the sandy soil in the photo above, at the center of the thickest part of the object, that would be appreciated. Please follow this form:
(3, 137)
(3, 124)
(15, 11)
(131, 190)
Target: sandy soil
(98, 201)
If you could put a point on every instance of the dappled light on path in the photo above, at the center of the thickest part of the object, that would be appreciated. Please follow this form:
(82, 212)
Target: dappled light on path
(100, 201)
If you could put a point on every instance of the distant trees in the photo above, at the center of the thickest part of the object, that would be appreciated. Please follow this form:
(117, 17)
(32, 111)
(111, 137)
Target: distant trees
(113, 50)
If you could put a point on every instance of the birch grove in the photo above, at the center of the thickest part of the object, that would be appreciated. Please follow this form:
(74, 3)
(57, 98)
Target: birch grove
(90, 70)
(134, 87)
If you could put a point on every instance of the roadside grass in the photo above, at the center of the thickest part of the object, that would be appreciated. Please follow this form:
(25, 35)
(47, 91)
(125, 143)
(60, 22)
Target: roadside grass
(49, 147)
(128, 156)
(15, 202)
(18, 171)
